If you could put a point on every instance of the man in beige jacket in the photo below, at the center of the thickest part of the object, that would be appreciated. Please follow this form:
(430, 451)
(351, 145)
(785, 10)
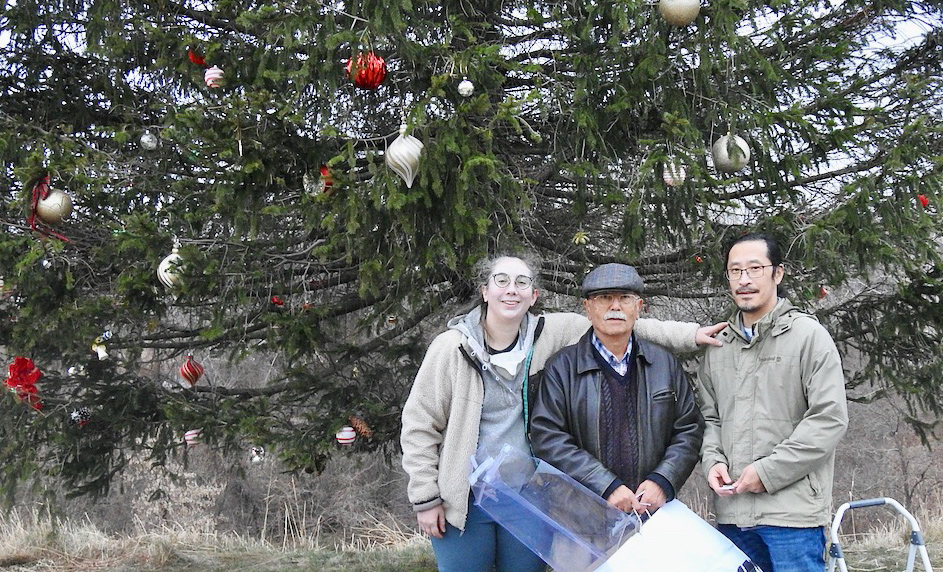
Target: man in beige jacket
(773, 399)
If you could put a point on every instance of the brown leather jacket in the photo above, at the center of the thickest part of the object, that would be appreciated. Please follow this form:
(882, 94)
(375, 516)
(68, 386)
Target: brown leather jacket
(565, 424)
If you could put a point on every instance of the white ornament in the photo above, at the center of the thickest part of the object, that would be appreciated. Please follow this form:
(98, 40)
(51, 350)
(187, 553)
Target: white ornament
(403, 156)
(466, 87)
(56, 207)
(679, 12)
(674, 173)
(98, 346)
(168, 271)
(346, 435)
(257, 454)
(731, 153)
(214, 77)
(149, 141)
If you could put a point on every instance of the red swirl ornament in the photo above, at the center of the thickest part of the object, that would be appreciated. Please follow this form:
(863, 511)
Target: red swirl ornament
(368, 71)
(191, 372)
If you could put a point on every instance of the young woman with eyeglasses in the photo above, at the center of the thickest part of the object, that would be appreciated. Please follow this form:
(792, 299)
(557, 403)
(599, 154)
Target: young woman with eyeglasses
(473, 390)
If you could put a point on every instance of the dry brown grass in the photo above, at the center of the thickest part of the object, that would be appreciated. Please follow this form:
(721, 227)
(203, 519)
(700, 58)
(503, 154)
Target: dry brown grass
(33, 541)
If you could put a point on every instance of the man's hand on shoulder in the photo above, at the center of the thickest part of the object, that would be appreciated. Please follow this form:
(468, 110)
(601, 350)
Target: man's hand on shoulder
(705, 335)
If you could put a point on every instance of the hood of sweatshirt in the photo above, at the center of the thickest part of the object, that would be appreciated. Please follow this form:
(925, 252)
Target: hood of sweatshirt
(505, 365)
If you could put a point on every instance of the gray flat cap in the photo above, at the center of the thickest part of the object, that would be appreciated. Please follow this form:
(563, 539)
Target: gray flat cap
(613, 277)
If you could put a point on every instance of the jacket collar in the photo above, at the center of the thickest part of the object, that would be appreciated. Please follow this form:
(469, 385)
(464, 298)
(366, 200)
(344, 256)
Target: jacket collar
(585, 360)
(779, 320)
(472, 355)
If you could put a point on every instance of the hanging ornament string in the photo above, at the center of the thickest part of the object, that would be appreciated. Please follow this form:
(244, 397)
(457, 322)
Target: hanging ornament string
(41, 192)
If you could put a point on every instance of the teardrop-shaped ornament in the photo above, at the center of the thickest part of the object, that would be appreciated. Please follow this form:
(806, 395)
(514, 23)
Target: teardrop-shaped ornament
(191, 371)
(168, 271)
(403, 156)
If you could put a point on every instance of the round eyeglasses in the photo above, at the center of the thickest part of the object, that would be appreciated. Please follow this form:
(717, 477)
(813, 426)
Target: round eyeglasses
(503, 280)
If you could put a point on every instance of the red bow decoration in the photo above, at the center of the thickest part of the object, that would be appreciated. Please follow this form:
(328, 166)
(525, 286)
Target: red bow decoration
(22, 381)
(196, 58)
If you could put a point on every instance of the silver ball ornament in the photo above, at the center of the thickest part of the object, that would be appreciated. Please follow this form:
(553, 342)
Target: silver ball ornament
(149, 141)
(466, 87)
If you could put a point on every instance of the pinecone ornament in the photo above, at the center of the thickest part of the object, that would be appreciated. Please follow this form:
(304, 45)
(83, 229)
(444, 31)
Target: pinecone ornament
(360, 426)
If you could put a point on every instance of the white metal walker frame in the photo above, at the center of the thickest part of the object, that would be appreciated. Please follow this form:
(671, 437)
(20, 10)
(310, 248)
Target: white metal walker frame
(916, 536)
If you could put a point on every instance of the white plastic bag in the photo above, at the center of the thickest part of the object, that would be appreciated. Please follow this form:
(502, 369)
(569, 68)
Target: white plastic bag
(574, 530)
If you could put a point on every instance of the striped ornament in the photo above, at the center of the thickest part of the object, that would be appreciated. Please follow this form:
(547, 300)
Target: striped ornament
(193, 437)
(346, 435)
(191, 371)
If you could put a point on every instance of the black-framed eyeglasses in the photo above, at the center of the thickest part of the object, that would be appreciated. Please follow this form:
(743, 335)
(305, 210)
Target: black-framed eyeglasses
(607, 299)
(752, 271)
(503, 280)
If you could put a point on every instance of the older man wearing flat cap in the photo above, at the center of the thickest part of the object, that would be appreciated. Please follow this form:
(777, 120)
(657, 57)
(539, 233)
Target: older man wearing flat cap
(616, 412)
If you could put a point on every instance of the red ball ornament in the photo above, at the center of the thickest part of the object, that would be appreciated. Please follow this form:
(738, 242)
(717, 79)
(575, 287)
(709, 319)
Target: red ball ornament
(368, 72)
(924, 201)
(191, 371)
(277, 301)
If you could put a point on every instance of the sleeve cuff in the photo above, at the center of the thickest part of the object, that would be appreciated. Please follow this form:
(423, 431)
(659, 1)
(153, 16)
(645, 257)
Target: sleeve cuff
(612, 487)
(426, 505)
(664, 484)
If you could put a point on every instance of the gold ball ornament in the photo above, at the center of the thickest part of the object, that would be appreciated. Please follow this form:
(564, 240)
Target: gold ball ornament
(731, 153)
(679, 12)
(56, 207)
(403, 156)
(674, 173)
(168, 271)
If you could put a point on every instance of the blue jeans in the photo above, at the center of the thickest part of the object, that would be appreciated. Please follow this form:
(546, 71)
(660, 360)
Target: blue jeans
(780, 548)
(485, 546)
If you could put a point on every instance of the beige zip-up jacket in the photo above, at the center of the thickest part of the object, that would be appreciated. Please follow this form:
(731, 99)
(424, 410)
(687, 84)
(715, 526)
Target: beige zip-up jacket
(442, 413)
(778, 402)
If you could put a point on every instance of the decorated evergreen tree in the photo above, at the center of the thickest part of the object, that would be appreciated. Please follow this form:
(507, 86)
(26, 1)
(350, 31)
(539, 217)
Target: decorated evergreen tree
(329, 172)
